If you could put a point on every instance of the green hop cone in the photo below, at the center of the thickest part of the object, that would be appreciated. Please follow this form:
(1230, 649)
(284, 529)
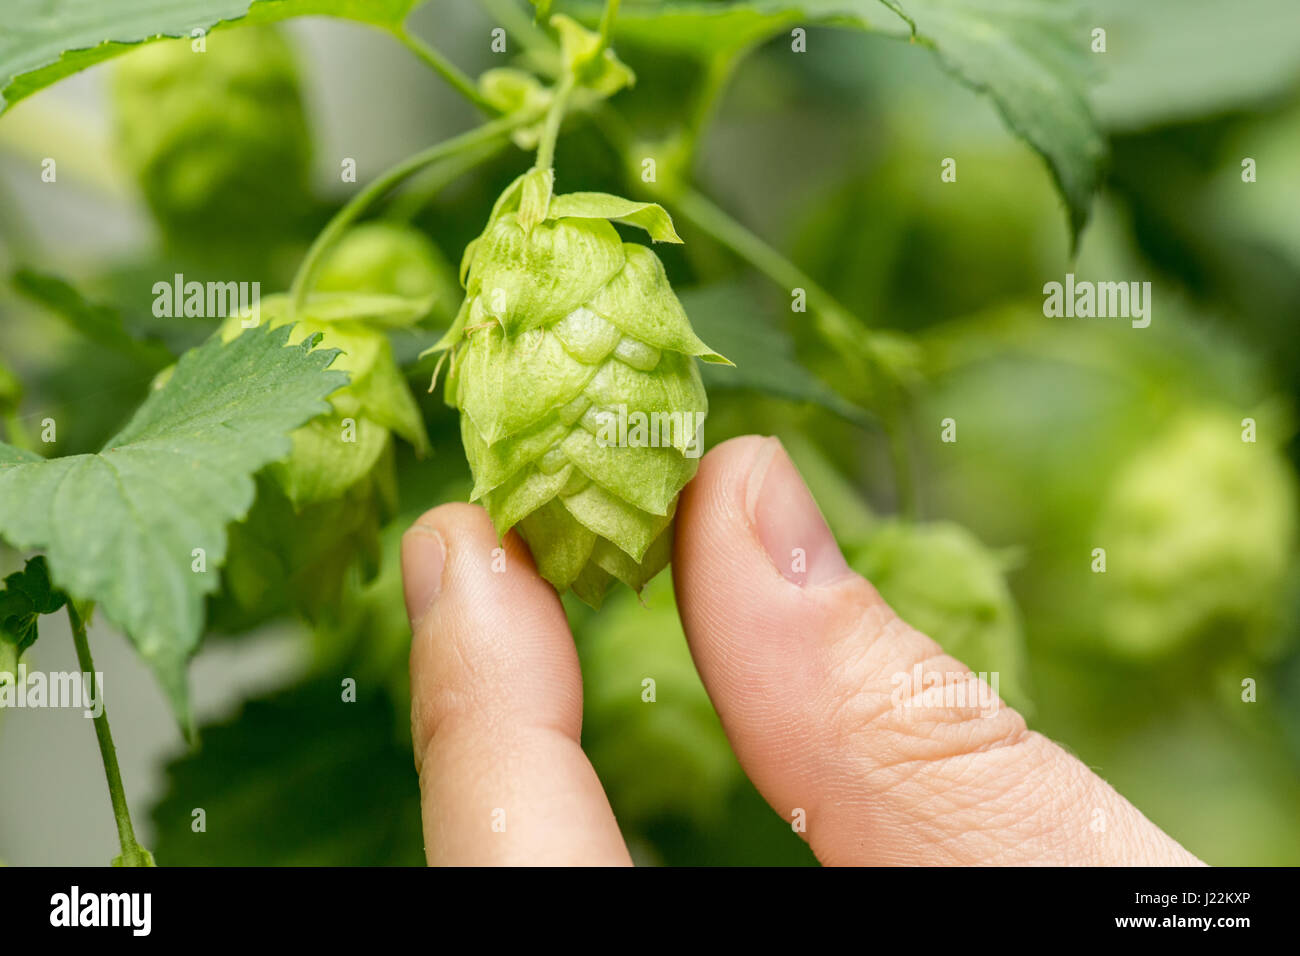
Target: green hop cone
(216, 139)
(1198, 531)
(648, 726)
(946, 583)
(388, 258)
(573, 366)
(322, 508)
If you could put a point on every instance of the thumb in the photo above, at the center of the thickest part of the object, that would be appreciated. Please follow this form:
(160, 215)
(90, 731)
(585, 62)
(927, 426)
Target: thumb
(814, 677)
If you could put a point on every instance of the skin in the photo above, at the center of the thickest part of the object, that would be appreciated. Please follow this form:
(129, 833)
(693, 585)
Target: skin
(799, 657)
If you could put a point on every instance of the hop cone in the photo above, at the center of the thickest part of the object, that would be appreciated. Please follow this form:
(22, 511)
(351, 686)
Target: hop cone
(945, 582)
(1199, 530)
(567, 340)
(217, 140)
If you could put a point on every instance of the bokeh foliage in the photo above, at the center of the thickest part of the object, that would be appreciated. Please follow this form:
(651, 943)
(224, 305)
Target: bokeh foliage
(1073, 434)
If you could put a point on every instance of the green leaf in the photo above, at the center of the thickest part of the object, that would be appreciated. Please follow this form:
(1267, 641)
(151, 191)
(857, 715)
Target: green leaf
(26, 595)
(1029, 56)
(42, 41)
(100, 324)
(349, 323)
(120, 527)
(298, 778)
(704, 29)
(763, 354)
(1154, 71)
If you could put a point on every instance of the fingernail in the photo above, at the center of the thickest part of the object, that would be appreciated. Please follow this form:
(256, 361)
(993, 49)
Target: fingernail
(789, 523)
(423, 555)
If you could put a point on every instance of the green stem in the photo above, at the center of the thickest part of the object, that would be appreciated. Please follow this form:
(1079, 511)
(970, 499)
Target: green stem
(900, 454)
(607, 21)
(422, 190)
(358, 204)
(710, 90)
(835, 323)
(446, 69)
(554, 117)
(133, 854)
(530, 37)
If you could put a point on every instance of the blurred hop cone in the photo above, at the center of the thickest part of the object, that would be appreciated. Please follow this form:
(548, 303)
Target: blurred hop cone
(217, 140)
(573, 366)
(1198, 531)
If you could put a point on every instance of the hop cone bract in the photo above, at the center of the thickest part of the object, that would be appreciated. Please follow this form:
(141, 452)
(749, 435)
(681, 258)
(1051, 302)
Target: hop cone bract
(573, 366)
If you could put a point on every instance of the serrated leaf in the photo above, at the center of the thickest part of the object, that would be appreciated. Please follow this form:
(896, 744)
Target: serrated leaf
(26, 595)
(42, 41)
(1029, 56)
(119, 527)
(1032, 60)
(377, 388)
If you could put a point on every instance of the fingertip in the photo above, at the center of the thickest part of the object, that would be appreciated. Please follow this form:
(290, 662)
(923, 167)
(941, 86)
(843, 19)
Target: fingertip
(485, 626)
(496, 703)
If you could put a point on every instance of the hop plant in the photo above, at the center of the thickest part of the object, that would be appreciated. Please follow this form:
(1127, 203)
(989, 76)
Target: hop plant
(1198, 530)
(573, 366)
(387, 258)
(217, 140)
(321, 509)
(649, 728)
(946, 583)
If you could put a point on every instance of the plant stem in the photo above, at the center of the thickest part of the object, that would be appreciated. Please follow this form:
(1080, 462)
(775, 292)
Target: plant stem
(841, 329)
(446, 69)
(133, 854)
(554, 117)
(833, 320)
(900, 454)
(607, 21)
(530, 37)
(425, 186)
(358, 204)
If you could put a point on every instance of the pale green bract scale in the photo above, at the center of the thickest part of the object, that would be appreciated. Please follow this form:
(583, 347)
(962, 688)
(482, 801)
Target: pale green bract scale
(569, 339)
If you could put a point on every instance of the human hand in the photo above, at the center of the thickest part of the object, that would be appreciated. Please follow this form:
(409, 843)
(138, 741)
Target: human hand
(800, 667)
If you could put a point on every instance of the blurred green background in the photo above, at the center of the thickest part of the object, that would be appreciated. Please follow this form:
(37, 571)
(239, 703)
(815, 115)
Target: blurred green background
(1072, 434)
